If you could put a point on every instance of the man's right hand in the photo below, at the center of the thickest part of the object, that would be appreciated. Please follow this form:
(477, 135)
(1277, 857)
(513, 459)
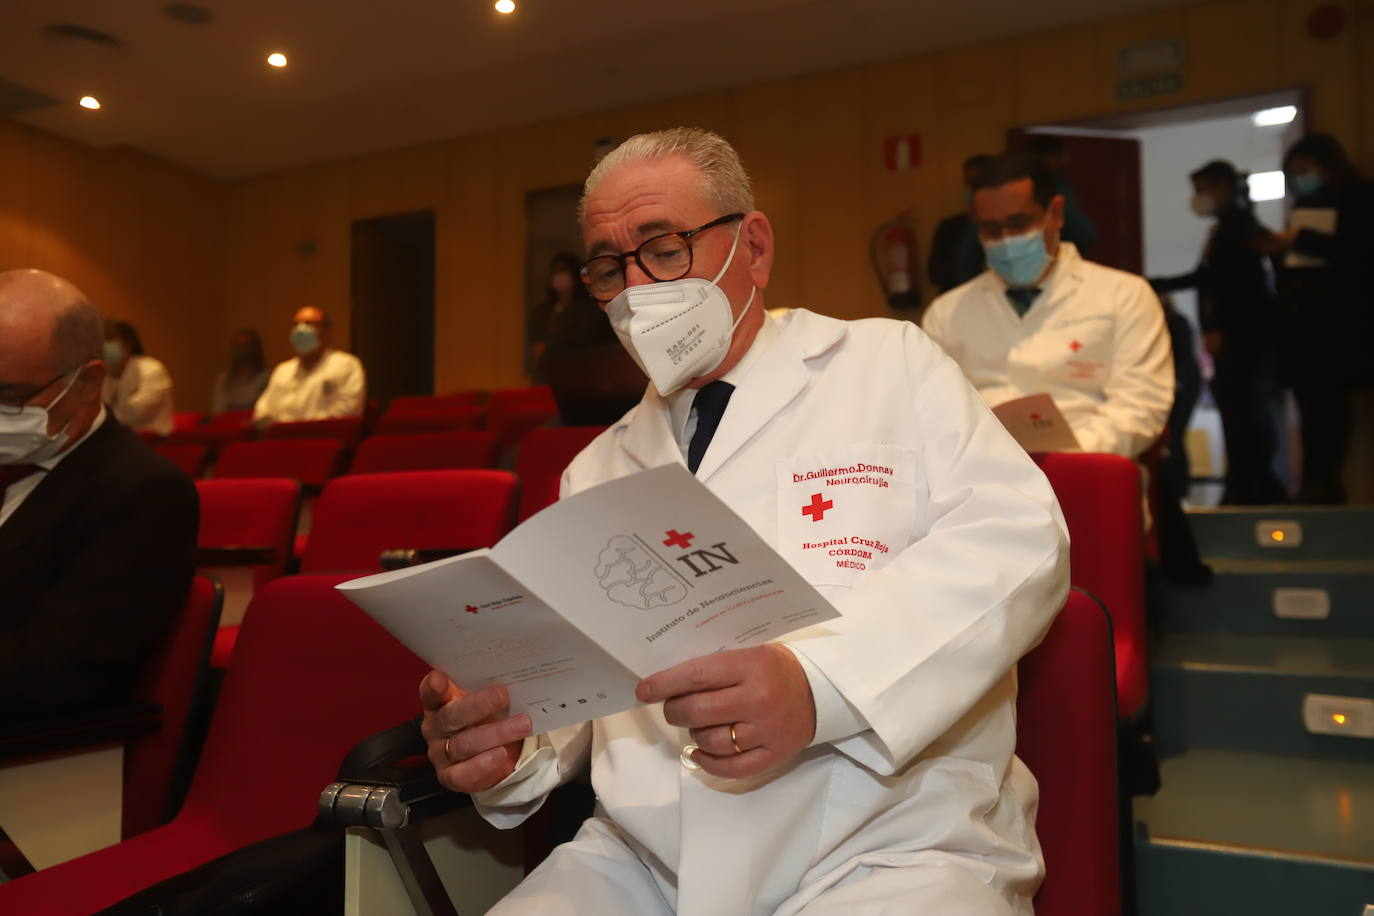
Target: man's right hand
(473, 741)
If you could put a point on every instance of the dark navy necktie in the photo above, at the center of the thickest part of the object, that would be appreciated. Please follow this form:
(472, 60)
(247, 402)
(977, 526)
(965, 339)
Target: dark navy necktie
(710, 407)
(1021, 298)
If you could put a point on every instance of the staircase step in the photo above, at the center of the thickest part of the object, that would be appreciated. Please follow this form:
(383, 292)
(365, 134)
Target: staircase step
(1249, 693)
(1325, 532)
(1233, 832)
(1249, 596)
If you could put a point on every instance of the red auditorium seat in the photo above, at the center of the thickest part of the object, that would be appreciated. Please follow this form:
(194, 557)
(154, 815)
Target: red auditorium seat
(246, 514)
(187, 420)
(346, 429)
(426, 452)
(189, 457)
(1066, 735)
(231, 419)
(219, 431)
(361, 515)
(158, 766)
(431, 420)
(270, 748)
(513, 412)
(410, 402)
(310, 461)
(544, 453)
(1100, 497)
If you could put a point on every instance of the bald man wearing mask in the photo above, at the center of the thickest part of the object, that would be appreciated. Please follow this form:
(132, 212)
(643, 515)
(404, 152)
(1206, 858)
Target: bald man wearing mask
(97, 533)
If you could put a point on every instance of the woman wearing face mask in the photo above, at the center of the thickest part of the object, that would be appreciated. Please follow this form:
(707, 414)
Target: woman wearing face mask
(568, 319)
(1239, 317)
(138, 388)
(239, 386)
(1328, 306)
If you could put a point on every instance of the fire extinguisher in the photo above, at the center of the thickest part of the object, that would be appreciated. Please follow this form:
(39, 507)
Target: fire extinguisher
(894, 261)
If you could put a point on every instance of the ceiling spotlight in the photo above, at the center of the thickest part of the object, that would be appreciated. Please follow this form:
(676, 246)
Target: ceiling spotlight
(505, 6)
(276, 59)
(91, 102)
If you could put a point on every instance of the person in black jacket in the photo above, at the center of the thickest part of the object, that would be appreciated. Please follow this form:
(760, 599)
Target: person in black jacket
(97, 533)
(955, 255)
(1238, 313)
(1328, 307)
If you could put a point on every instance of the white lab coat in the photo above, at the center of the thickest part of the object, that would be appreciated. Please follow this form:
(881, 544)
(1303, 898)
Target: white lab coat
(976, 570)
(335, 387)
(1094, 339)
(141, 398)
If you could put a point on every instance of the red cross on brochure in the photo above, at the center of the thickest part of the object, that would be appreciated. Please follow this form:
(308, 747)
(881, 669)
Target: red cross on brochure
(471, 609)
(818, 507)
(1075, 346)
(678, 540)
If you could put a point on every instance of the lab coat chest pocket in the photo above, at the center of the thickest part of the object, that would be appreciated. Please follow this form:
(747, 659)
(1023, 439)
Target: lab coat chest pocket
(1080, 349)
(845, 511)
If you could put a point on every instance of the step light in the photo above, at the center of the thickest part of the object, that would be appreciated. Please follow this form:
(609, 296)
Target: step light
(1302, 603)
(1348, 717)
(1278, 533)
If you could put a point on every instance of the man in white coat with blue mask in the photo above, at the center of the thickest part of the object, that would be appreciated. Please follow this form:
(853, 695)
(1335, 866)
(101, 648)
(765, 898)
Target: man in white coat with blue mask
(1041, 319)
(862, 766)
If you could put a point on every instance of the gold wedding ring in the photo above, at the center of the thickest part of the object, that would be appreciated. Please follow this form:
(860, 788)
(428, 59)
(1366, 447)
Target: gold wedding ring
(446, 751)
(734, 740)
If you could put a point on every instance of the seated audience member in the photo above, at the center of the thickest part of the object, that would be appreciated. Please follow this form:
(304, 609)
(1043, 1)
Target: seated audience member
(138, 388)
(97, 533)
(318, 383)
(955, 255)
(1048, 151)
(1043, 319)
(240, 386)
(827, 772)
(568, 319)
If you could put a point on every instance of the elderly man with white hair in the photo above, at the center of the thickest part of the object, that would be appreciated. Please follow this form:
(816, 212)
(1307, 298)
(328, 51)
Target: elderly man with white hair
(97, 533)
(862, 765)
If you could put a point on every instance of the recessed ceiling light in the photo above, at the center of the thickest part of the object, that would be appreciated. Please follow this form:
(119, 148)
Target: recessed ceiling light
(276, 59)
(505, 6)
(91, 102)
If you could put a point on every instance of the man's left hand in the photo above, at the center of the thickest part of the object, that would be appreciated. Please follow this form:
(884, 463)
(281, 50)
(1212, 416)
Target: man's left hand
(762, 692)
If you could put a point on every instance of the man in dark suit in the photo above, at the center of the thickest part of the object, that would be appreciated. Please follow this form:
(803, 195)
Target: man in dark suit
(97, 533)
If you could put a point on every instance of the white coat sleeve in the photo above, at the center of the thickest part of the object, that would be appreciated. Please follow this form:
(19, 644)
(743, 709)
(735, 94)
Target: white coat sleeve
(350, 392)
(146, 400)
(1139, 389)
(924, 639)
(265, 408)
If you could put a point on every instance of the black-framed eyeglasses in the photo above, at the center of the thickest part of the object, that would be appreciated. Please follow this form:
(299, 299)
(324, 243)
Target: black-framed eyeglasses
(663, 257)
(13, 406)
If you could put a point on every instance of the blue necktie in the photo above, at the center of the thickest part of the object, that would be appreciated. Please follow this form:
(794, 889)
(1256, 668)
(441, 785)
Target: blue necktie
(1021, 298)
(710, 407)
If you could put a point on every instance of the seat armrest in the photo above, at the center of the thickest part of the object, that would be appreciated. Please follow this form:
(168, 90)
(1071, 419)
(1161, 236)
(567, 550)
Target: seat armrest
(387, 783)
(67, 732)
(400, 558)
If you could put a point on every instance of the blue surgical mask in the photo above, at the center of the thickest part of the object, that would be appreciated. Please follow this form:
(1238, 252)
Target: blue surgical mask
(112, 352)
(1308, 183)
(1020, 259)
(304, 338)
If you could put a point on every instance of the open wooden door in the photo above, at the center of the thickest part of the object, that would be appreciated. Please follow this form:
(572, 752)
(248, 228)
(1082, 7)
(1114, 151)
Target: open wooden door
(1104, 173)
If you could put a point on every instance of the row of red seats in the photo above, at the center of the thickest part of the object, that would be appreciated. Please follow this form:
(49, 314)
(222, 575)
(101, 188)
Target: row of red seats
(506, 414)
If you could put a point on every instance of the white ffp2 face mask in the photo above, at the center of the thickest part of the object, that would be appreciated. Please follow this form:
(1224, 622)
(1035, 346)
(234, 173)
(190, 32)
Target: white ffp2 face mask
(24, 436)
(677, 330)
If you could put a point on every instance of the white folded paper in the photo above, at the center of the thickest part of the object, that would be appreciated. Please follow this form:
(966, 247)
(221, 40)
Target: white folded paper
(571, 609)
(1036, 422)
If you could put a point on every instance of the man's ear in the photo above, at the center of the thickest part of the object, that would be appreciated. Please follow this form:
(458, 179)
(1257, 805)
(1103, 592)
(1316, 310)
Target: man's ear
(92, 380)
(758, 241)
(1057, 208)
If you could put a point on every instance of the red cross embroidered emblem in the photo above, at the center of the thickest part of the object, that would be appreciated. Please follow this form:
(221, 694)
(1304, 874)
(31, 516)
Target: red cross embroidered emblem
(471, 609)
(1075, 346)
(1035, 416)
(678, 540)
(818, 507)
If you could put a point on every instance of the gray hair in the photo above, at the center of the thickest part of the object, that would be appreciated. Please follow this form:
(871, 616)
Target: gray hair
(724, 182)
(78, 334)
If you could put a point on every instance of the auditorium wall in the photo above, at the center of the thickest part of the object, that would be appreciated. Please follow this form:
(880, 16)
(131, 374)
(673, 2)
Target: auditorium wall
(142, 238)
(190, 260)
